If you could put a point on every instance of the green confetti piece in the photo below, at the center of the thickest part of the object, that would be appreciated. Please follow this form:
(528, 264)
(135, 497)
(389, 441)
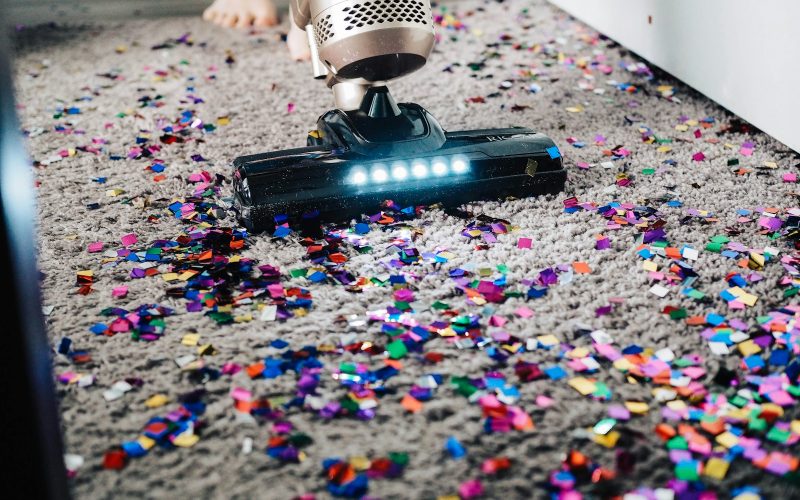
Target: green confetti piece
(738, 401)
(300, 440)
(696, 294)
(677, 443)
(686, 471)
(720, 238)
(678, 313)
(714, 247)
(757, 424)
(441, 306)
(648, 171)
(399, 457)
(778, 435)
(349, 405)
(347, 367)
(403, 306)
(298, 273)
(604, 426)
(463, 386)
(397, 349)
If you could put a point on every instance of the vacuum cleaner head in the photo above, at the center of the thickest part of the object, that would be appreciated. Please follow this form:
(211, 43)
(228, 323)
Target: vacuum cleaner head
(399, 153)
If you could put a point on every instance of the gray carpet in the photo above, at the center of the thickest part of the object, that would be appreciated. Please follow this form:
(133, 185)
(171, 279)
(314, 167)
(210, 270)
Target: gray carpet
(106, 71)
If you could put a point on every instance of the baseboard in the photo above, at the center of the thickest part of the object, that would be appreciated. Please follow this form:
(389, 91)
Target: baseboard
(43, 11)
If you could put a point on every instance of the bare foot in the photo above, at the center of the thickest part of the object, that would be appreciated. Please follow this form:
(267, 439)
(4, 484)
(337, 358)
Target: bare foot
(297, 42)
(242, 13)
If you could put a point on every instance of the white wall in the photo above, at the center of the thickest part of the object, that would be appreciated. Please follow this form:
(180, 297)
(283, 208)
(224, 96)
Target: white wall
(744, 54)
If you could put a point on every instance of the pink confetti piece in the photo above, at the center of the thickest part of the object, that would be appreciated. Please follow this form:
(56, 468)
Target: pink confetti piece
(95, 247)
(497, 321)
(699, 156)
(789, 177)
(543, 401)
(119, 292)
(129, 239)
(524, 243)
(523, 312)
(290, 107)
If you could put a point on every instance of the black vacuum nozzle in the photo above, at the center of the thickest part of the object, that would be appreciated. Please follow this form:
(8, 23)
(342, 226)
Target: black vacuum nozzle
(389, 151)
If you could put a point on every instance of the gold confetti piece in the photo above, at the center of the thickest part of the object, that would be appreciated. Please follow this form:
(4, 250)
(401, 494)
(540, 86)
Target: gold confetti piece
(190, 339)
(637, 407)
(623, 365)
(186, 439)
(223, 120)
(677, 405)
(609, 440)
(186, 275)
(578, 352)
(770, 164)
(582, 385)
(575, 109)
(170, 276)
(206, 350)
(772, 408)
(650, 266)
(146, 442)
(447, 332)
(360, 463)
(748, 347)
(663, 149)
(727, 439)
(716, 468)
(121, 49)
(156, 400)
(547, 340)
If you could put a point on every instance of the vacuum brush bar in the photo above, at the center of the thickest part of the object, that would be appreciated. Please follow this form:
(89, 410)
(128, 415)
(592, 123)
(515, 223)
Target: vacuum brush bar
(469, 166)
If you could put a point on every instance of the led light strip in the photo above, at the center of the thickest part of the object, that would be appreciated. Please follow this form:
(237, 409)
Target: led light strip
(380, 173)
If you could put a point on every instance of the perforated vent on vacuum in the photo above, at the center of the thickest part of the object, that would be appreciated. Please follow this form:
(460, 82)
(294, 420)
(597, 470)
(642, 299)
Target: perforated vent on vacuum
(385, 11)
(322, 30)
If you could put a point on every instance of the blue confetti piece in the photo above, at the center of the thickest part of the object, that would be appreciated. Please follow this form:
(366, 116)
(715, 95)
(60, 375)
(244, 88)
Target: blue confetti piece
(98, 328)
(555, 372)
(281, 232)
(454, 448)
(134, 449)
(361, 228)
(779, 357)
(554, 152)
(278, 344)
(318, 276)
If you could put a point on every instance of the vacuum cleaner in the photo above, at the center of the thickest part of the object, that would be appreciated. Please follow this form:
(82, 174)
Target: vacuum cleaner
(370, 148)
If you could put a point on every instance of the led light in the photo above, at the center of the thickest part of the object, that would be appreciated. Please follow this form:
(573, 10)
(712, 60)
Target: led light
(399, 171)
(419, 170)
(358, 177)
(379, 174)
(439, 167)
(459, 165)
